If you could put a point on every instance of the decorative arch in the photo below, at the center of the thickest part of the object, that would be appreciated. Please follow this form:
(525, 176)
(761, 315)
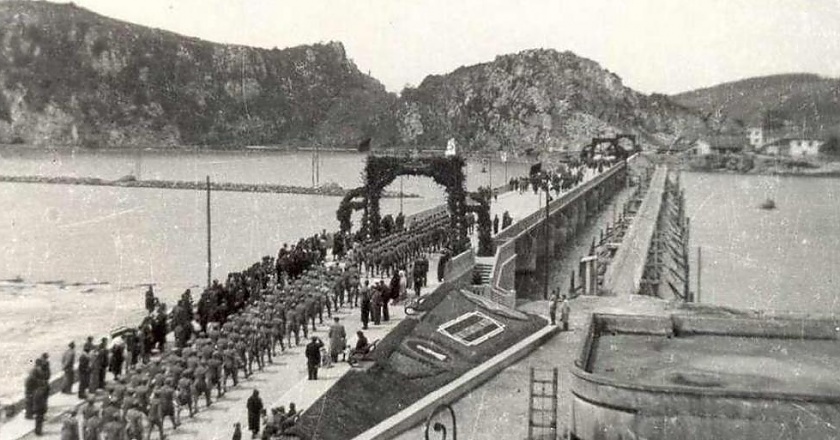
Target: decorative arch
(381, 171)
(613, 148)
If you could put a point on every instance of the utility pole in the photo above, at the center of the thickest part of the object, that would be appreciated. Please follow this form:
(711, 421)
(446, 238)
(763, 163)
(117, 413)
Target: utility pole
(209, 251)
(699, 269)
(401, 193)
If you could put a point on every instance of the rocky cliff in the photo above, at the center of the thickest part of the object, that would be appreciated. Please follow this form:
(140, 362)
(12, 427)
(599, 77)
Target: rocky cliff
(536, 99)
(72, 77)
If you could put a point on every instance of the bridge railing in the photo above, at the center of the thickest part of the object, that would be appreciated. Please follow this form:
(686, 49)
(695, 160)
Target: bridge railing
(515, 230)
(505, 240)
(624, 274)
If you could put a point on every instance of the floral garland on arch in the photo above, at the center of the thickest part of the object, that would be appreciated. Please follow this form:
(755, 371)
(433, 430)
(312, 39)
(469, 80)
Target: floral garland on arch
(381, 171)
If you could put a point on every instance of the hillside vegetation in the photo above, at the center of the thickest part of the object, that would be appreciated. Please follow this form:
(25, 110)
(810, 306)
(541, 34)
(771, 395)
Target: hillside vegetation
(72, 77)
(536, 99)
(799, 99)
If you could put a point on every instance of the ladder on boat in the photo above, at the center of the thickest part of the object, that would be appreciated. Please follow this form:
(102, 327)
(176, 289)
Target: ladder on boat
(542, 405)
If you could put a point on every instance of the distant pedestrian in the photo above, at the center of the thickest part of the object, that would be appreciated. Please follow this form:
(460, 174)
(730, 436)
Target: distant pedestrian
(564, 314)
(495, 224)
(255, 409)
(45, 366)
(39, 402)
(237, 431)
(338, 339)
(552, 308)
(117, 359)
(68, 362)
(365, 305)
(313, 357)
(376, 305)
(441, 269)
(150, 300)
(84, 373)
(30, 385)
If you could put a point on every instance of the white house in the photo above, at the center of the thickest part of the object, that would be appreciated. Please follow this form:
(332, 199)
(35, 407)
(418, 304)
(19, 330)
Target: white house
(805, 147)
(701, 148)
(755, 135)
(793, 147)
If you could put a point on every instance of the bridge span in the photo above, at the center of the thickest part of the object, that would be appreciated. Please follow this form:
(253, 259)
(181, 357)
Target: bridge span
(526, 245)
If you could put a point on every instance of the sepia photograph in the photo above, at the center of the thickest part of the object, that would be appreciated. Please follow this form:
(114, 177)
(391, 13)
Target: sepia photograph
(419, 219)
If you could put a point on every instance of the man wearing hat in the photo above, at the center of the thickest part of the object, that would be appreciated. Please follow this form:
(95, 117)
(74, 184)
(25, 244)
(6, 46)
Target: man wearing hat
(68, 361)
(313, 357)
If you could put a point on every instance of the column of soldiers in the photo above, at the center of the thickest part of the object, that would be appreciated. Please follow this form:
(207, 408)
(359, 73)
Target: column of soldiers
(252, 313)
(565, 177)
(397, 250)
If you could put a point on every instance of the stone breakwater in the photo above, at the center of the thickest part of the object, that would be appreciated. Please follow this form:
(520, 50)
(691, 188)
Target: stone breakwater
(331, 189)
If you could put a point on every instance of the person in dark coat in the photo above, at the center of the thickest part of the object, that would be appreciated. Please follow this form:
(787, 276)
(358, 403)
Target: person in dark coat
(237, 431)
(313, 357)
(89, 345)
(255, 408)
(441, 271)
(395, 287)
(39, 401)
(45, 366)
(29, 387)
(376, 305)
(103, 361)
(386, 296)
(84, 373)
(68, 362)
(117, 358)
(365, 305)
(150, 300)
(495, 224)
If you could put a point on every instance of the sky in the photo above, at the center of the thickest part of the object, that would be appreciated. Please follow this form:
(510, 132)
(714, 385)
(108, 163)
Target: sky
(663, 46)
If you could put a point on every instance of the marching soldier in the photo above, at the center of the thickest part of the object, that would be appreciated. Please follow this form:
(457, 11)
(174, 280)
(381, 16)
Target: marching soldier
(155, 416)
(185, 397)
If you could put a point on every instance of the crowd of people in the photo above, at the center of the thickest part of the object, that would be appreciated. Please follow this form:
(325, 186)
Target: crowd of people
(240, 324)
(562, 178)
(235, 328)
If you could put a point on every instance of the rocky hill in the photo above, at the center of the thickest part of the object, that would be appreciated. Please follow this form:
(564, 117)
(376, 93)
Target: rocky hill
(72, 77)
(534, 99)
(793, 98)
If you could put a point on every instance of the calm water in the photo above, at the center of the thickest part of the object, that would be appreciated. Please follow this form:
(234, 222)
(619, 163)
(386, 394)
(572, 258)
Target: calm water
(127, 236)
(786, 259)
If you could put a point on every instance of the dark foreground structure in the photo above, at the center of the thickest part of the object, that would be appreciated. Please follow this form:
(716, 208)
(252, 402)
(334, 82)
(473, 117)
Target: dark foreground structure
(706, 377)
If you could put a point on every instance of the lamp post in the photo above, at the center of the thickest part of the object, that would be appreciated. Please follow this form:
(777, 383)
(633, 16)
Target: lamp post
(490, 177)
(547, 231)
(503, 157)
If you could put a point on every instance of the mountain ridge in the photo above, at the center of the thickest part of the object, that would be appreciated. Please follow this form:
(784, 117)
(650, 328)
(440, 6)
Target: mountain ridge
(794, 99)
(69, 76)
(539, 99)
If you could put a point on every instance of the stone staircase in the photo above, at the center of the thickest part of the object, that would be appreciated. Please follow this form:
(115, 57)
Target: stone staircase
(483, 270)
